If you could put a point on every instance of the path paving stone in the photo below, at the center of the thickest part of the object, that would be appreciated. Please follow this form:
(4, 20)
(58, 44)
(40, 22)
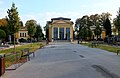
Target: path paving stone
(66, 60)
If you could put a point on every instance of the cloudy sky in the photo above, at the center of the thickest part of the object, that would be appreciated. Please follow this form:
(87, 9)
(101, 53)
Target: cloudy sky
(44, 10)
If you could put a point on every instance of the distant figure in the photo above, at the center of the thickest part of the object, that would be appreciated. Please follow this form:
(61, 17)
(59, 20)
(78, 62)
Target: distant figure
(47, 41)
(81, 40)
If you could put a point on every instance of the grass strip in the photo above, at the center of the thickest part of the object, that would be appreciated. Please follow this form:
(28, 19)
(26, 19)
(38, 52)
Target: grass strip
(106, 47)
(10, 58)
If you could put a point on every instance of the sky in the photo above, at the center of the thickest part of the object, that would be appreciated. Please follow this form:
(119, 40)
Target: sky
(43, 10)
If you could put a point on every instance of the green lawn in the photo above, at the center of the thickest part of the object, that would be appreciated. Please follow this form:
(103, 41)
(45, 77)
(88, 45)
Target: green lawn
(106, 47)
(11, 56)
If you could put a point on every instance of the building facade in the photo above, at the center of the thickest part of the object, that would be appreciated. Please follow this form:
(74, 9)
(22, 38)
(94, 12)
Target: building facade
(22, 33)
(60, 29)
(103, 33)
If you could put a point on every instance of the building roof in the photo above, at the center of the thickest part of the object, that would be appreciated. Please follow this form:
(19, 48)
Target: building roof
(23, 28)
(60, 18)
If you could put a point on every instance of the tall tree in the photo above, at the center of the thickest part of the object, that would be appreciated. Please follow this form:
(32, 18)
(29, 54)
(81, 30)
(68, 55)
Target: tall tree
(46, 29)
(13, 22)
(31, 27)
(117, 22)
(13, 19)
(78, 27)
(86, 27)
(96, 22)
(104, 16)
(107, 26)
(38, 34)
(115, 27)
(83, 27)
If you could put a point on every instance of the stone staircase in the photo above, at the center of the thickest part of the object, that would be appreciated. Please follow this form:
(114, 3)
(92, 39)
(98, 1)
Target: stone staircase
(61, 41)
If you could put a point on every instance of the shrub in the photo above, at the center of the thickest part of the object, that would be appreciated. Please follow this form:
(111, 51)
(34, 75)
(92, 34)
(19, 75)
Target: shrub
(22, 40)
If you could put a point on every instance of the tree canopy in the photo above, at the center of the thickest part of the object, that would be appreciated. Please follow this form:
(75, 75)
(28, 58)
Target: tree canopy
(13, 19)
(46, 29)
(39, 34)
(116, 22)
(31, 27)
(2, 34)
(4, 26)
(3, 22)
(107, 26)
(21, 23)
(83, 25)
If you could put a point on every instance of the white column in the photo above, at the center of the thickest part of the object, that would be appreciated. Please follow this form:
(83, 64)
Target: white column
(64, 32)
(70, 33)
(58, 32)
(52, 32)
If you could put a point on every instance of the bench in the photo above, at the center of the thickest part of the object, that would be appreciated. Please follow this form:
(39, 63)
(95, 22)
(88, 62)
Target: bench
(26, 52)
(41, 45)
(93, 44)
(96, 43)
(118, 52)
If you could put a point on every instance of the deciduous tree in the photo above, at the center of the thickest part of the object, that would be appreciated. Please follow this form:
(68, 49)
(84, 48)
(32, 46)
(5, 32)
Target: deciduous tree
(2, 34)
(117, 22)
(4, 26)
(39, 35)
(31, 27)
(83, 27)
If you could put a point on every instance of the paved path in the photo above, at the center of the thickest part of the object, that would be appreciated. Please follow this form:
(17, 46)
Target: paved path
(66, 60)
(12, 46)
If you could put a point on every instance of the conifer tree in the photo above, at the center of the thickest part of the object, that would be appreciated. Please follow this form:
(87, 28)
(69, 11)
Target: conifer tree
(13, 21)
(107, 26)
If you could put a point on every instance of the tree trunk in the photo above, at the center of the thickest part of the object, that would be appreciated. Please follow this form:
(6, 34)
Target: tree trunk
(15, 51)
(31, 41)
(14, 45)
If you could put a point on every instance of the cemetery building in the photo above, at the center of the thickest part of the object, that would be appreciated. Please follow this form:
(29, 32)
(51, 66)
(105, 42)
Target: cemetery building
(60, 29)
(22, 33)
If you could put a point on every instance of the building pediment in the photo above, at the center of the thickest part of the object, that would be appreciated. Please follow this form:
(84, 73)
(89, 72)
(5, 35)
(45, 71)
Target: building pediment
(61, 22)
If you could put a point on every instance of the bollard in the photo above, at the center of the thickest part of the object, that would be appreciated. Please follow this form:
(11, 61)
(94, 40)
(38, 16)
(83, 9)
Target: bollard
(2, 64)
(78, 42)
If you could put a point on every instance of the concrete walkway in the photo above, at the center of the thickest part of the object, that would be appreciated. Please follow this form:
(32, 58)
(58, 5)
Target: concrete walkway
(66, 60)
(12, 46)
